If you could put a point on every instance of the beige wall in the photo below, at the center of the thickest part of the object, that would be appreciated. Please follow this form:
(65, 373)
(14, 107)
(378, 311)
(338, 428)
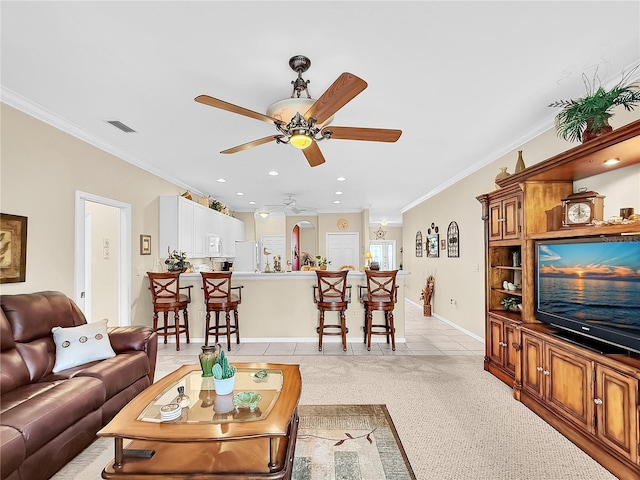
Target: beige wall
(459, 286)
(42, 167)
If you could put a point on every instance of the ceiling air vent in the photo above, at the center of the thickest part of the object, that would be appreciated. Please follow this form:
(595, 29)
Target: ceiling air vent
(121, 126)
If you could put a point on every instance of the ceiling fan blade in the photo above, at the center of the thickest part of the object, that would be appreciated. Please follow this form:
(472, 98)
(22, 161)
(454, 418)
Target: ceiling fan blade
(359, 133)
(314, 155)
(230, 107)
(341, 92)
(255, 143)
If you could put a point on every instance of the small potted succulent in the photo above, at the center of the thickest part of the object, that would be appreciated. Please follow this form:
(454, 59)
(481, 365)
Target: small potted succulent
(587, 117)
(322, 262)
(224, 375)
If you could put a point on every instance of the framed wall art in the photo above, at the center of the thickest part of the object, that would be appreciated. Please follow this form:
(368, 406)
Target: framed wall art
(433, 245)
(453, 239)
(145, 244)
(13, 248)
(419, 244)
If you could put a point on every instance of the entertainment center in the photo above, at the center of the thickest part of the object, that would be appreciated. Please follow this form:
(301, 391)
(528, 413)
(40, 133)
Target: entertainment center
(570, 357)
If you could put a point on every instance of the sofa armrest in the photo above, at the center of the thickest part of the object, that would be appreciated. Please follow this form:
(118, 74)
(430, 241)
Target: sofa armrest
(139, 338)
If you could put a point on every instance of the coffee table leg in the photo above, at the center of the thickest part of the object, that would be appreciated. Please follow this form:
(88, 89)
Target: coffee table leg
(119, 455)
(273, 452)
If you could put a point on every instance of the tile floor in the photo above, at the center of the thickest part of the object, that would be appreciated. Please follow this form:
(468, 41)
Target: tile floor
(424, 336)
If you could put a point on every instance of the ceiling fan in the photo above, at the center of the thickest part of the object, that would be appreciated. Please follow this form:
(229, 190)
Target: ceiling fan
(289, 204)
(302, 122)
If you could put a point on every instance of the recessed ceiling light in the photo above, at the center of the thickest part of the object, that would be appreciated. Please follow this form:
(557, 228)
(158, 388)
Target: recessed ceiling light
(612, 161)
(239, 193)
(252, 202)
(220, 180)
(273, 173)
(340, 179)
(336, 201)
(338, 192)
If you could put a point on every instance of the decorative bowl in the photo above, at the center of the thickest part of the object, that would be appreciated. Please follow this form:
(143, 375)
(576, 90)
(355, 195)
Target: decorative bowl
(246, 400)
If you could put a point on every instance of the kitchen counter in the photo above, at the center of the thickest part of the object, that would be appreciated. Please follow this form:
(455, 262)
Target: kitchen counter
(279, 307)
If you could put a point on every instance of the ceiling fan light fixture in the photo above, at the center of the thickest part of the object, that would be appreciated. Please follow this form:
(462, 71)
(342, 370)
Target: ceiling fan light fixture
(300, 140)
(263, 214)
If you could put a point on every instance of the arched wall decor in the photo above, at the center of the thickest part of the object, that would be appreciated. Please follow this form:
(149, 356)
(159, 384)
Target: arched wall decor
(453, 240)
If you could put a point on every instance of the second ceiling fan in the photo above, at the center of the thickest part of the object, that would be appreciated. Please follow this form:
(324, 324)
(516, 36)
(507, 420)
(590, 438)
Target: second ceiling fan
(304, 130)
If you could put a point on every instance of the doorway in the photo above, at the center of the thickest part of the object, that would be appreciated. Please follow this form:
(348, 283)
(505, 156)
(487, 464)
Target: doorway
(103, 258)
(384, 252)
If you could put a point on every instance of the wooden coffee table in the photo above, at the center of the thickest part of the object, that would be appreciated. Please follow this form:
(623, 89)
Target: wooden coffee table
(211, 439)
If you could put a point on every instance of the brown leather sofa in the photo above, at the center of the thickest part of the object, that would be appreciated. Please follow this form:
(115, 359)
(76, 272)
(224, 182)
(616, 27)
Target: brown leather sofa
(47, 418)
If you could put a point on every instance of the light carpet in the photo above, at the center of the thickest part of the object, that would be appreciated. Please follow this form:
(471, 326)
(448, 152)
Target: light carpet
(455, 421)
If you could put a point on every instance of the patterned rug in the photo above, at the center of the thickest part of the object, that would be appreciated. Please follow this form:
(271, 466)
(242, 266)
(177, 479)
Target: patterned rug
(335, 442)
(348, 442)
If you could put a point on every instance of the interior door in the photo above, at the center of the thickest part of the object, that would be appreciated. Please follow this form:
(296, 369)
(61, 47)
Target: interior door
(342, 249)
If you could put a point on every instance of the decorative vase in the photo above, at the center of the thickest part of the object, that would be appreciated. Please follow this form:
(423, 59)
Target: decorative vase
(590, 133)
(322, 267)
(501, 174)
(207, 359)
(224, 386)
(519, 163)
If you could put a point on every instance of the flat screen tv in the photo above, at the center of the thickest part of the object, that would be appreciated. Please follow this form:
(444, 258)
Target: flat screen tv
(590, 287)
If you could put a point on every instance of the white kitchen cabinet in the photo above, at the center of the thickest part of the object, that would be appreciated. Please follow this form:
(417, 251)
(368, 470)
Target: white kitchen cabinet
(185, 225)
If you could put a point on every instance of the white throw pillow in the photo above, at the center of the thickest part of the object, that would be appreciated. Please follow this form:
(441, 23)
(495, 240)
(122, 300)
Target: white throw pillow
(83, 344)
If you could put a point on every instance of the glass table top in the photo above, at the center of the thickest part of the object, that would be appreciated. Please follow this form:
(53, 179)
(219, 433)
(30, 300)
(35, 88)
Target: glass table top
(201, 405)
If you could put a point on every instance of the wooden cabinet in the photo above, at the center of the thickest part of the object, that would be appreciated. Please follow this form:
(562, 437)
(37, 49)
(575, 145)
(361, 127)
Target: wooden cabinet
(584, 389)
(559, 378)
(589, 397)
(616, 404)
(504, 217)
(502, 341)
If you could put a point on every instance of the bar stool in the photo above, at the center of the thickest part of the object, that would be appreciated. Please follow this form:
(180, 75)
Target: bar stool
(330, 295)
(219, 296)
(165, 293)
(379, 294)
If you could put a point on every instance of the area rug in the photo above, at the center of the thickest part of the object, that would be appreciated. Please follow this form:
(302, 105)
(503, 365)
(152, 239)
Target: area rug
(348, 442)
(335, 442)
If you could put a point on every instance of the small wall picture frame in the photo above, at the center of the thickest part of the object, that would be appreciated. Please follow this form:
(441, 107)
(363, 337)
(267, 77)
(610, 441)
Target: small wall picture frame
(13, 248)
(443, 244)
(418, 243)
(145, 244)
(433, 245)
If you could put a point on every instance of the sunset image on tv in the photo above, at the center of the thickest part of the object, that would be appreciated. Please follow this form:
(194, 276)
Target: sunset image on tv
(593, 281)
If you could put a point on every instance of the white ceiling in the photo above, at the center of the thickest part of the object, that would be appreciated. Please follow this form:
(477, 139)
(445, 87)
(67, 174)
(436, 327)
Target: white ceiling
(466, 82)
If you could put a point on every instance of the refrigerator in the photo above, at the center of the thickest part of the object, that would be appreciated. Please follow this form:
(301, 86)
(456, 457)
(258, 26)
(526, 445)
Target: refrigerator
(248, 257)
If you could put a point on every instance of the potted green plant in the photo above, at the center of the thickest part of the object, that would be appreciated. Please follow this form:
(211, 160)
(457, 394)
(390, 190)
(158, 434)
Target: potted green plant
(587, 117)
(177, 261)
(512, 304)
(224, 375)
(322, 262)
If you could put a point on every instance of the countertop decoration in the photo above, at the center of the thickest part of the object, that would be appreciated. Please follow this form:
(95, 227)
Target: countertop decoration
(177, 261)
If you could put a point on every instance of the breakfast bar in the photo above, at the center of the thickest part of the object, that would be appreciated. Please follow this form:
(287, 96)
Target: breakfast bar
(279, 307)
